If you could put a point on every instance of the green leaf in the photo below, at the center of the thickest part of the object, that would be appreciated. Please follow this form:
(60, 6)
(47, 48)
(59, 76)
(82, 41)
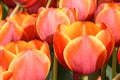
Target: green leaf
(5, 10)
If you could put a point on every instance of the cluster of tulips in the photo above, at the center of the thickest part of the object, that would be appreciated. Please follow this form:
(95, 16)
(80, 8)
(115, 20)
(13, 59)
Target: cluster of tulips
(83, 35)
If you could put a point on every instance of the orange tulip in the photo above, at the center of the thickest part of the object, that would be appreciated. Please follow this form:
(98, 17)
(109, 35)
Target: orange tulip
(25, 60)
(82, 46)
(5, 58)
(108, 13)
(50, 18)
(85, 8)
(5, 33)
(17, 47)
(30, 64)
(23, 25)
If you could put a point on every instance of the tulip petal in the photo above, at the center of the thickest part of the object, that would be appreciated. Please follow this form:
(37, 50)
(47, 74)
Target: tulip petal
(5, 58)
(110, 17)
(6, 75)
(79, 28)
(59, 42)
(37, 44)
(107, 39)
(42, 46)
(119, 55)
(85, 54)
(28, 25)
(17, 47)
(5, 34)
(29, 3)
(46, 26)
(32, 65)
(83, 7)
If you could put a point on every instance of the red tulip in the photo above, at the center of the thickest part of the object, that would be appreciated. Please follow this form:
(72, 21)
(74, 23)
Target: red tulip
(40, 3)
(85, 8)
(108, 13)
(119, 55)
(25, 3)
(31, 6)
(9, 3)
(0, 12)
(25, 60)
(106, 1)
(50, 18)
(82, 46)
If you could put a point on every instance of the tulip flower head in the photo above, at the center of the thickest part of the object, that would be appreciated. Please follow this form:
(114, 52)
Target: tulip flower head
(21, 60)
(82, 46)
(48, 20)
(23, 26)
(85, 8)
(41, 3)
(9, 3)
(108, 13)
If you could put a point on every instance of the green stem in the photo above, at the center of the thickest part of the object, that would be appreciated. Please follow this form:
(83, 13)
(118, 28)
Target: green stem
(103, 72)
(55, 69)
(114, 62)
(15, 9)
(48, 3)
(94, 76)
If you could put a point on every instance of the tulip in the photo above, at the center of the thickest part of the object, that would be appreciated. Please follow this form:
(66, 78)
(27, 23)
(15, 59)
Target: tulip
(17, 47)
(85, 8)
(25, 60)
(106, 1)
(41, 3)
(82, 46)
(48, 20)
(25, 3)
(119, 55)
(5, 58)
(9, 3)
(108, 13)
(31, 6)
(0, 12)
(5, 33)
(30, 64)
(9, 52)
(24, 24)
